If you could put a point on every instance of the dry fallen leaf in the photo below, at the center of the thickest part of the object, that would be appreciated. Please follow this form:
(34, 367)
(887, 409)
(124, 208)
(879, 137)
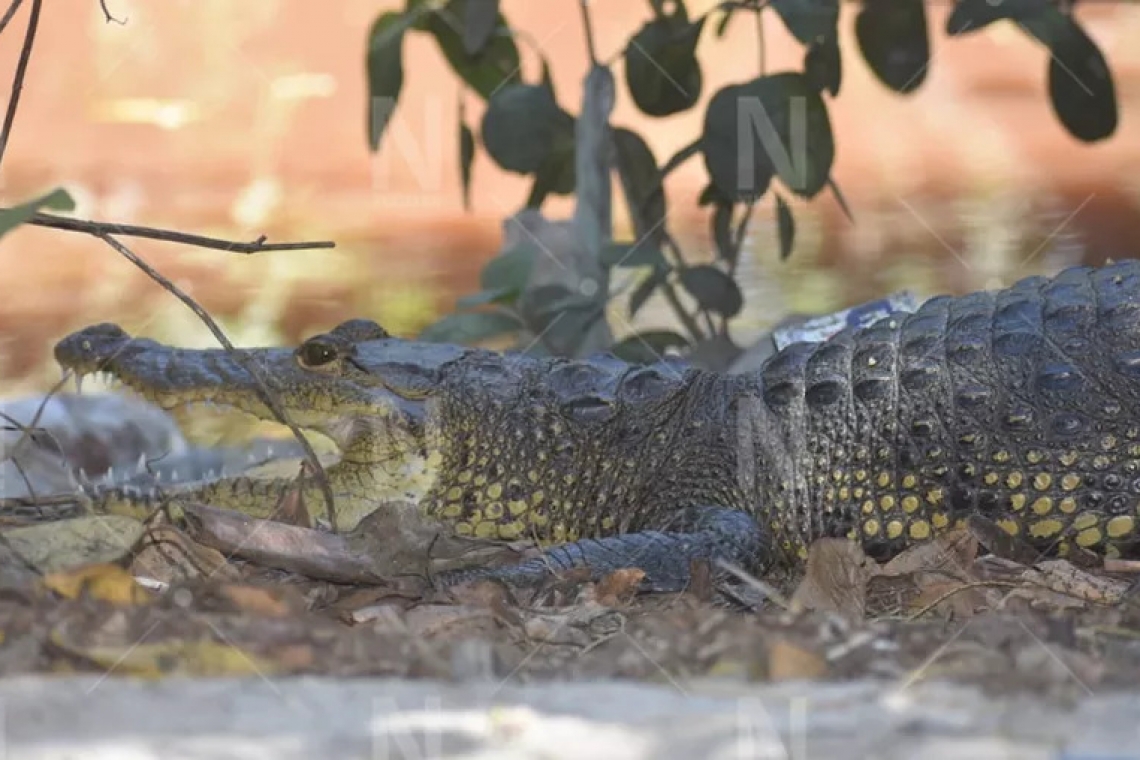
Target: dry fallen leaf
(258, 600)
(312, 553)
(109, 583)
(167, 554)
(291, 508)
(435, 620)
(835, 578)
(951, 553)
(1062, 577)
(933, 576)
(788, 661)
(202, 658)
(619, 587)
(56, 546)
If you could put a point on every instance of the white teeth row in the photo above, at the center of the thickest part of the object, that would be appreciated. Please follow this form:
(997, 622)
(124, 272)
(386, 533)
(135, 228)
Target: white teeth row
(103, 378)
(141, 468)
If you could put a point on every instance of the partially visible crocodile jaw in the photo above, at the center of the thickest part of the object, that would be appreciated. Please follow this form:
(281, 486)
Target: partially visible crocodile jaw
(383, 438)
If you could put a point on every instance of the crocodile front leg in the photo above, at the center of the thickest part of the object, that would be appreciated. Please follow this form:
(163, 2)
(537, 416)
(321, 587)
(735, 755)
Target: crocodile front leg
(664, 555)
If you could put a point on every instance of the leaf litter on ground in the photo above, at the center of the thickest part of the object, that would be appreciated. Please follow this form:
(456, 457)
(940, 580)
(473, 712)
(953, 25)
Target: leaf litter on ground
(217, 592)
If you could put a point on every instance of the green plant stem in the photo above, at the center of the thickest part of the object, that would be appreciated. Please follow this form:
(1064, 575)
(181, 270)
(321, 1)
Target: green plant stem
(670, 291)
(738, 240)
(686, 319)
(708, 321)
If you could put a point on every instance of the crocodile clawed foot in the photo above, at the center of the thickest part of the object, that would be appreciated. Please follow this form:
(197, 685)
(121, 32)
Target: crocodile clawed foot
(665, 556)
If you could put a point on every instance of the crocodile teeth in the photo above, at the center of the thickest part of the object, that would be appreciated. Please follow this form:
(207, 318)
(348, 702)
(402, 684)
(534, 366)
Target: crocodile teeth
(78, 381)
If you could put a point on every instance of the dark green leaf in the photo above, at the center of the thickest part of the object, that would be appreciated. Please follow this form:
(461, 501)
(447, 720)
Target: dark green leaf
(566, 332)
(775, 124)
(536, 304)
(419, 13)
(637, 168)
(709, 196)
(809, 20)
(553, 300)
(823, 65)
(722, 25)
(471, 327)
(834, 187)
(895, 42)
(716, 353)
(385, 68)
(483, 297)
(562, 316)
(56, 200)
(1049, 26)
(640, 254)
(644, 290)
(558, 175)
(521, 126)
(466, 157)
(713, 289)
(510, 270)
(547, 78)
(648, 347)
(662, 72)
(971, 15)
(479, 24)
(1081, 89)
(786, 226)
(498, 63)
(722, 231)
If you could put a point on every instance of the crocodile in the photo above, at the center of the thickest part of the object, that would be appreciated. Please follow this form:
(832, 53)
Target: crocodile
(1018, 406)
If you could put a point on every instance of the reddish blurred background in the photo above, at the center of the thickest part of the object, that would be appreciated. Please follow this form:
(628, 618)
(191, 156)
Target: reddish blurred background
(237, 119)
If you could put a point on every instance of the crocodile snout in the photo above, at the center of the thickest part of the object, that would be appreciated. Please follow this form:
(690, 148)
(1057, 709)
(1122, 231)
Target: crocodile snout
(89, 349)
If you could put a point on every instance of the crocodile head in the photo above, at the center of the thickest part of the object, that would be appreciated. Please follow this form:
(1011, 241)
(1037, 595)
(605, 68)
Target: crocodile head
(369, 393)
(495, 445)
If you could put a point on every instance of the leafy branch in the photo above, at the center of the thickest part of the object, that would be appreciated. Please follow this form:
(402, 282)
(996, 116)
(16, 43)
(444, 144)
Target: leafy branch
(766, 136)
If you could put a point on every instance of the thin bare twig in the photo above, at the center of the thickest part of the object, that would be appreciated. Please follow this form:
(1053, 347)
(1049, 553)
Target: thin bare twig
(98, 229)
(588, 30)
(27, 432)
(107, 14)
(8, 14)
(18, 82)
(262, 389)
(761, 47)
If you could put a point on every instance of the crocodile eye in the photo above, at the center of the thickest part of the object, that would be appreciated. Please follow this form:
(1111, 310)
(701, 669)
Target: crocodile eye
(315, 353)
